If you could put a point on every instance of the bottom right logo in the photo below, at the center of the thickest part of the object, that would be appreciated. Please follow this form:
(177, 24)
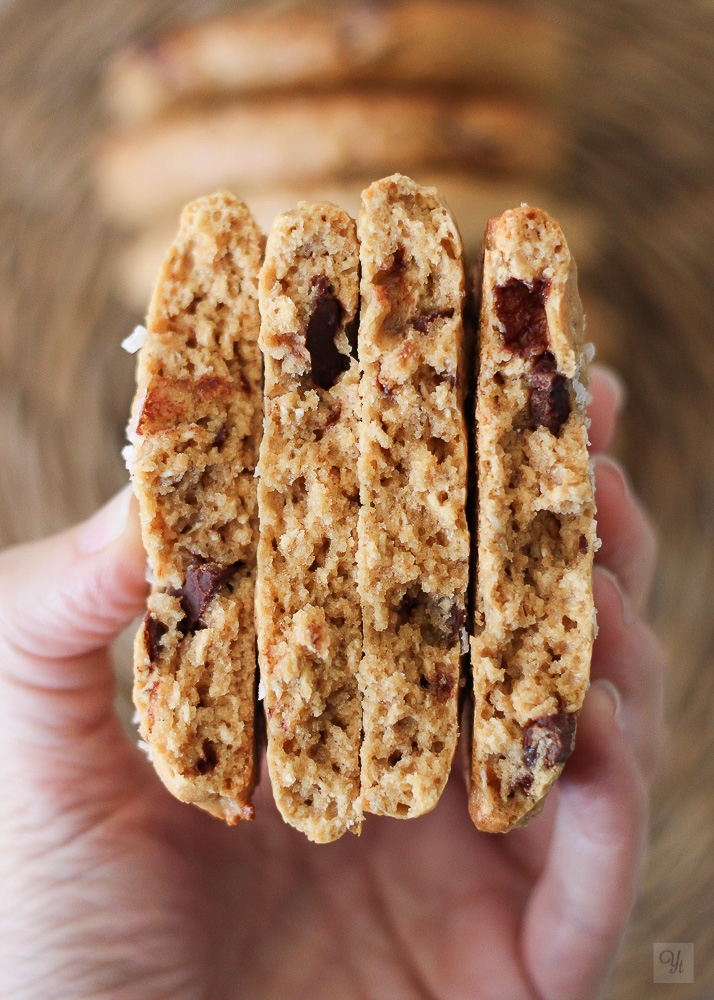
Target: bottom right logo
(673, 962)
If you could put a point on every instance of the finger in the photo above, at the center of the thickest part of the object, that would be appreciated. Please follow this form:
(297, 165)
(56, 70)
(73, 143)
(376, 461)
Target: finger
(580, 906)
(66, 596)
(629, 543)
(629, 656)
(608, 398)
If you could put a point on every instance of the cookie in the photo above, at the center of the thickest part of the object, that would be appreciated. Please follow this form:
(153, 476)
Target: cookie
(258, 143)
(413, 554)
(533, 614)
(308, 612)
(194, 435)
(473, 200)
(417, 41)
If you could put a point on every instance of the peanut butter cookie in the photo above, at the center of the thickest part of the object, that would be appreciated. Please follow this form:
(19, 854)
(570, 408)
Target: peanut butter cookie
(534, 616)
(194, 439)
(413, 537)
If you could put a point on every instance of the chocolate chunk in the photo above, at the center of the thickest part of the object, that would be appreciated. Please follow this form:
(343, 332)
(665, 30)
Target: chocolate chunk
(553, 735)
(456, 621)
(583, 544)
(422, 323)
(203, 581)
(523, 780)
(207, 763)
(220, 438)
(549, 399)
(322, 328)
(444, 686)
(521, 309)
(154, 630)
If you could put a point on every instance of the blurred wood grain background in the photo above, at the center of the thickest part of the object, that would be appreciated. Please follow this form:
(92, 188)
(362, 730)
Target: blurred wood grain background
(634, 113)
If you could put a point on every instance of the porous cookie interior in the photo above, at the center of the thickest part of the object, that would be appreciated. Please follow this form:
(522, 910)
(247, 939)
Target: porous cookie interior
(413, 537)
(308, 611)
(534, 611)
(195, 431)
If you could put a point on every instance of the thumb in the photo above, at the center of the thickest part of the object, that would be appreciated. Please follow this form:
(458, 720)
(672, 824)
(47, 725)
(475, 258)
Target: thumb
(70, 595)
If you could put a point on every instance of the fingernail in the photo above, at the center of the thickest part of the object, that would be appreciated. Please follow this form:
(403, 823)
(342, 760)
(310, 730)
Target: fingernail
(616, 383)
(107, 525)
(613, 694)
(618, 471)
(626, 609)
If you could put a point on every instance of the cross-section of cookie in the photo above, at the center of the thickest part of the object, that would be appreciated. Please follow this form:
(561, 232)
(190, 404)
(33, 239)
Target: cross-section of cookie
(533, 614)
(194, 438)
(307, 611)
(413, 536)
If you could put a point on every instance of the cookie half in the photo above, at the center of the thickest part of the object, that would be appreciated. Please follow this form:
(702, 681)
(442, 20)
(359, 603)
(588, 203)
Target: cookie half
(534, 617)
(413, 536)
(308, 611)
(195, 432)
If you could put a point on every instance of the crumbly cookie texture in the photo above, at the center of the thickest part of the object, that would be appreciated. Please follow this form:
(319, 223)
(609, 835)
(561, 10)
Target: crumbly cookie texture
(194, 437)
(413, 552)
(533, 614)
(308, 612)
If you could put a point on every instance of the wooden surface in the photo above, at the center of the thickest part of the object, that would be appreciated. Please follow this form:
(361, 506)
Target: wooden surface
(638, 119)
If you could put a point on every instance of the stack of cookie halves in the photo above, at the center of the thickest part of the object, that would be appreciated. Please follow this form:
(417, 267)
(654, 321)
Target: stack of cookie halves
(338, 537)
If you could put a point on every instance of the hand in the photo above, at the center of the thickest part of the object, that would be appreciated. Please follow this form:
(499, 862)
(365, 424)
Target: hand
(112, 889)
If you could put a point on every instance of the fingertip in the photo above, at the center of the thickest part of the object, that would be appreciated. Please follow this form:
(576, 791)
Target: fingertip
(610, 598)
(608, 397)
(611, 384)
(602, 779)
(72, 593)
(107, 525)
(629, 540)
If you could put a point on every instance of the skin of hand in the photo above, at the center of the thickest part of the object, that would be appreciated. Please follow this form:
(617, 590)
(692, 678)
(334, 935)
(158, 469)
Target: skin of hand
(112, 889)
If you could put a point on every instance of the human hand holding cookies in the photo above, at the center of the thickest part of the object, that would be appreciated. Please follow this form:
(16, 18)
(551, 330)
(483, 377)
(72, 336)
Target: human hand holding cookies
(114, 888)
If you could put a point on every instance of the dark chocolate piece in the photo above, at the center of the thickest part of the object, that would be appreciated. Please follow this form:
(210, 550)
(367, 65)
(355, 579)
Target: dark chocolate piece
(422, 323)
(220, 438)
(444, 686)
(456, 622)
(521, 309)
(582, 544)
(320, 332)
(154, 630)
(554, 734)
(549, 399)
(203, 581)
(207, 763)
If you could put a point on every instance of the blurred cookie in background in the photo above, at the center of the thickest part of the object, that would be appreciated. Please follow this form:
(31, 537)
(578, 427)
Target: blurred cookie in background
(487, 46)
(258, 143)
(316, 100)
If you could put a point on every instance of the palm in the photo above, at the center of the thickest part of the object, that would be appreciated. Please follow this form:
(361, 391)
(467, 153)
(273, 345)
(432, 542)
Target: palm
(111, 889)
(407, 910)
